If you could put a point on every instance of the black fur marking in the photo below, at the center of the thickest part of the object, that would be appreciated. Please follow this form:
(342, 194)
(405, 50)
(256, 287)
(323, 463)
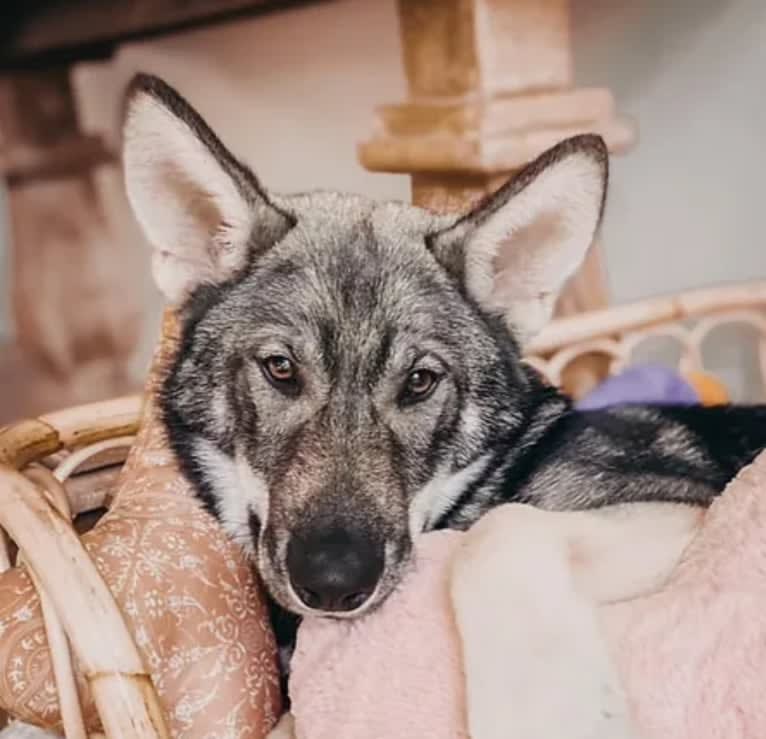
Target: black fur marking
(181, 440)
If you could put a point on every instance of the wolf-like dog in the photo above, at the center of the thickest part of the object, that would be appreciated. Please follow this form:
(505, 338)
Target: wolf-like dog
(350, 372)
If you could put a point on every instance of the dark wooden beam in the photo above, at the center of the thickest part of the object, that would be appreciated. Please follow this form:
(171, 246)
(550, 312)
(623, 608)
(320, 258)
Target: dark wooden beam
(36, 33)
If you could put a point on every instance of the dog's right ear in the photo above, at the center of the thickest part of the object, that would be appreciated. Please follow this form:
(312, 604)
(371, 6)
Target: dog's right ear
(201, 209)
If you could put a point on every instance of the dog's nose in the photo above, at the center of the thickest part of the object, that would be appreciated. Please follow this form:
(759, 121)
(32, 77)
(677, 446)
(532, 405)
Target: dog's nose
(334, 569)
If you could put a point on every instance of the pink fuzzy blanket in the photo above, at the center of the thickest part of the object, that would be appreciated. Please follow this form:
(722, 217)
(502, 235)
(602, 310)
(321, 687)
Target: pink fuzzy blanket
(691, 656)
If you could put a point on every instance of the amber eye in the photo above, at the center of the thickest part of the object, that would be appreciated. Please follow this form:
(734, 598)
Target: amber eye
(281, 372)
(420, 384)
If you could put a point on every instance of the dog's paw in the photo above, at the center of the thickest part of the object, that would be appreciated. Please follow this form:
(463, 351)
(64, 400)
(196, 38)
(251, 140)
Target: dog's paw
(536, 663)
(549, 682)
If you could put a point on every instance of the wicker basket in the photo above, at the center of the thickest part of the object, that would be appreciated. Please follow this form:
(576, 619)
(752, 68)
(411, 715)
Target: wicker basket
(36, 510)
(84, 446)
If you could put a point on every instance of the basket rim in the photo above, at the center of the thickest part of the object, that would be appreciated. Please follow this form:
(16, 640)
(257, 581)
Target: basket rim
(29, 440)
(669, 308)
(78, 608)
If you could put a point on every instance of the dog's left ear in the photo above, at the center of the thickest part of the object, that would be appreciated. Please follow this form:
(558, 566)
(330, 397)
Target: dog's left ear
(515, 251)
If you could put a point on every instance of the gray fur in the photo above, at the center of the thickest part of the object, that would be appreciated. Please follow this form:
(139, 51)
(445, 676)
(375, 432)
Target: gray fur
(358, 294)
(353, 294)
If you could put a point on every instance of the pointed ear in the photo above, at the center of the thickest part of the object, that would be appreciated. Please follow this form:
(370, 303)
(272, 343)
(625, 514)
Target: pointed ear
(515, 251)
(202, 210)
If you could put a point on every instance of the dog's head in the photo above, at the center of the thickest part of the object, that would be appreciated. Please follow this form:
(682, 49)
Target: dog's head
(345, 365)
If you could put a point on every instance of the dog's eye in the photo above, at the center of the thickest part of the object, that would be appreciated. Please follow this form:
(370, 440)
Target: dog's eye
(281, 372)
(420, 384)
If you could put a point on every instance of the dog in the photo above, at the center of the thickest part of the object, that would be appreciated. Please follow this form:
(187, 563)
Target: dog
(350, 372)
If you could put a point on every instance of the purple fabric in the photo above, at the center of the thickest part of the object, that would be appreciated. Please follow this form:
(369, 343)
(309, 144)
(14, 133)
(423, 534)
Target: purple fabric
(640, 384)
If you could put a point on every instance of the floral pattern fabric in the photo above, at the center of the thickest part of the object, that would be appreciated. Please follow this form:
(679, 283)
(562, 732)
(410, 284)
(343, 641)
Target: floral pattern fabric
(189, 597)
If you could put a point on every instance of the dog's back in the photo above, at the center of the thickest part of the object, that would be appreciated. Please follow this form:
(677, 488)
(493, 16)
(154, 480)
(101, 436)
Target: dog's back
(562, 458)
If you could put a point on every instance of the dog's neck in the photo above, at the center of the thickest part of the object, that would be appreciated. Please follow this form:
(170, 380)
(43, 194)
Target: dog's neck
(512, 457)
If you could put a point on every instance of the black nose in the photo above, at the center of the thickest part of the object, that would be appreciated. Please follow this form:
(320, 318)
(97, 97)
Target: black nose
(334, 569)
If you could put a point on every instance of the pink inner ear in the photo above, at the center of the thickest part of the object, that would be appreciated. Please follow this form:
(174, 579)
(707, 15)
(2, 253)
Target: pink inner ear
(197, 204)
(525, 264)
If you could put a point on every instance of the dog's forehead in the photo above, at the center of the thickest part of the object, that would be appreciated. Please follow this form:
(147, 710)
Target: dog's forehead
(354, 257)
(348, 271)
(337, 212)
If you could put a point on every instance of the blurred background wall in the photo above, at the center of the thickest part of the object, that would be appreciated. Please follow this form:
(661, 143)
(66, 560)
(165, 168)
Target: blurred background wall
(293, 92)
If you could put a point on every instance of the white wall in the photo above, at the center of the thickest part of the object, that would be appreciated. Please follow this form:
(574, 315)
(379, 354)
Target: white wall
(686, 205)
(293, 93)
